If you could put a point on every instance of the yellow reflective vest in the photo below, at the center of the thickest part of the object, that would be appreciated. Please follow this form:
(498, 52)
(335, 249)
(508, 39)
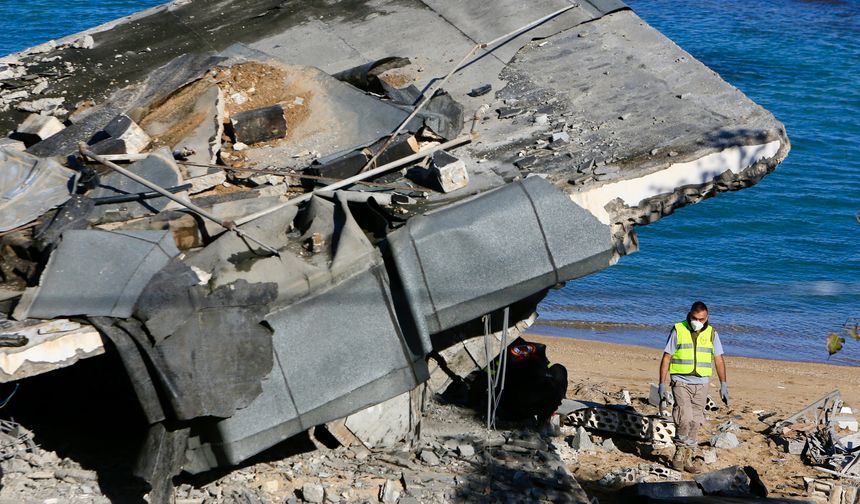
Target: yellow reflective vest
(693, 359)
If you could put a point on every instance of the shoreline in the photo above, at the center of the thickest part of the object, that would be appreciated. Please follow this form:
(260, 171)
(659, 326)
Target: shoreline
(649, 337)
(754, 383)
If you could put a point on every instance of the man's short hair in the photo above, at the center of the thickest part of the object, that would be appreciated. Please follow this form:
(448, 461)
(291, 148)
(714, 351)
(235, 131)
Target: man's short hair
(698, 306)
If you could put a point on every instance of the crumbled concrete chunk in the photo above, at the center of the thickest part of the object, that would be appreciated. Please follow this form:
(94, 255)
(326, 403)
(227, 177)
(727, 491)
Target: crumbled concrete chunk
(48, 105)
(85, 42)
(389, 492)
(312, 492)
(36, 128)
(450, 173)
(725, 440)
(466, 450)
(124, 136)
(429, 458)
(581, 441)
(710, 456)
(608, 444)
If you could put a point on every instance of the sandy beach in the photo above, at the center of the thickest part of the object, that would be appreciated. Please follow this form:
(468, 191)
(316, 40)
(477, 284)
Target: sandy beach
(773, 385)
(756, 385)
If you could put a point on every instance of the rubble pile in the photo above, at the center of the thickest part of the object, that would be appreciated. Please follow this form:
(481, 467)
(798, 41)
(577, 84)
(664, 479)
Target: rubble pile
(456, 460)
(620, 449)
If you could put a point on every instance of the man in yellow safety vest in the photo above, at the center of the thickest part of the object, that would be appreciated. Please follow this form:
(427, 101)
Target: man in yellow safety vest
(692, 352)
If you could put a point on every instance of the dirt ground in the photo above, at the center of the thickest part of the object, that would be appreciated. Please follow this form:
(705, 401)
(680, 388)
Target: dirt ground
(755, 385)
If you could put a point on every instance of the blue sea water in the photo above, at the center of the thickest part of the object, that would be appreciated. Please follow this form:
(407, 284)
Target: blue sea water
(28, 23)
(779, 264)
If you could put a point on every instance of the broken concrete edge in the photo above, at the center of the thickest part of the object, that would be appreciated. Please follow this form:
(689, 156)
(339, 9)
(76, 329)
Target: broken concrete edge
(640, 201)
(52, 345)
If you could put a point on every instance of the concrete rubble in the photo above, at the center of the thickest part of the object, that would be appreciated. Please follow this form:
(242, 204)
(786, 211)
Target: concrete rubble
(287, 234)
(821, 435)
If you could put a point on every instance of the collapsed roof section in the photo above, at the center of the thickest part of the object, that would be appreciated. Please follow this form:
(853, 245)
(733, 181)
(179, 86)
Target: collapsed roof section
(598, 123)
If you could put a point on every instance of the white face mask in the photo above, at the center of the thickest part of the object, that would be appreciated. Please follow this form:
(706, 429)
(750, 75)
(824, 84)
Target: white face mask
(697, 326)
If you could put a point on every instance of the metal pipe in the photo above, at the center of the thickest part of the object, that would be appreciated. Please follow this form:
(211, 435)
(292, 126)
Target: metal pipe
(490, 391)
(187, 204)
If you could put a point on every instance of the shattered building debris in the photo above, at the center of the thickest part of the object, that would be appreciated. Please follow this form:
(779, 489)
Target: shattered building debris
(354, 216)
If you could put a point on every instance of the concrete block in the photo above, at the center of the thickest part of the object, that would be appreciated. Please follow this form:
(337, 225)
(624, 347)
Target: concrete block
(121, 136)
(466, 450)
(559, 138)
(401, 147)
(608, 445)
(449, 172)
(85, 42)
(382, 425)
(259, 125)
(339, 168)
(429, 458)
(36, 128)
(389, 492)
(725, 440)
